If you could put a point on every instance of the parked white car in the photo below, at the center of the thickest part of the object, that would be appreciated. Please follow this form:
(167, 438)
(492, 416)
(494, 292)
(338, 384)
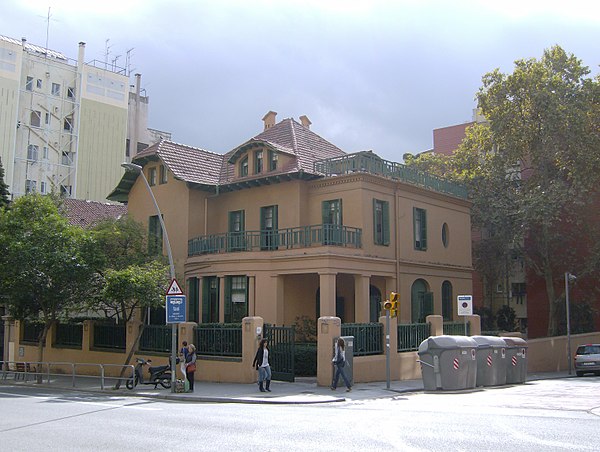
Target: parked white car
(587, 359)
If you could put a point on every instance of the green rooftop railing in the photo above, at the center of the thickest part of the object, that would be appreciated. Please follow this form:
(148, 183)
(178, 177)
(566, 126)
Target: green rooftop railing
(270, 240)
(368, 162)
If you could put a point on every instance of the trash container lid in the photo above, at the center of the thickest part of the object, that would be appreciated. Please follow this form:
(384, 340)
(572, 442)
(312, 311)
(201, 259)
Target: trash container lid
(514, 341)
(489, 341)
(446, 343)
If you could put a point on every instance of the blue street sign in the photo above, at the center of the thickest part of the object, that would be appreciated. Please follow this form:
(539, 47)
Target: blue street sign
(175, 308)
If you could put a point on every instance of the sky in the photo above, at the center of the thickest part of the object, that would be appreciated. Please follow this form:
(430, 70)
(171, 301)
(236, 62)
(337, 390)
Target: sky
(375, 75)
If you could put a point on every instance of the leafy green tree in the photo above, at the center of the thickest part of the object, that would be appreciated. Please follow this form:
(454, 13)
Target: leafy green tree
(4, 193)
(533, 169)
(543, 128)
(132, 279)
(45, 267)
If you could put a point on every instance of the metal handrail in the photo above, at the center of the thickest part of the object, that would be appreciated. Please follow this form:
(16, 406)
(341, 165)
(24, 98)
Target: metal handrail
(11, 366)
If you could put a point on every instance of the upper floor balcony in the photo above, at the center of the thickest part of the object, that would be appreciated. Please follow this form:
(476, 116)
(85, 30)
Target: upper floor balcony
(271, 240)
(368, 162)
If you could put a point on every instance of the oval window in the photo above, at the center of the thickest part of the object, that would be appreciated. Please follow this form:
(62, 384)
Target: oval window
(445, 235)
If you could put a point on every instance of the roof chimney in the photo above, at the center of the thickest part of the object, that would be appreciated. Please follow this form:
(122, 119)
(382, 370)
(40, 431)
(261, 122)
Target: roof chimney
(269, 119)
(305, 121)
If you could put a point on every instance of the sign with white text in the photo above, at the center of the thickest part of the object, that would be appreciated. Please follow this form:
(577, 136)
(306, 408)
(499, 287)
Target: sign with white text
(465, 304)
(175, 308)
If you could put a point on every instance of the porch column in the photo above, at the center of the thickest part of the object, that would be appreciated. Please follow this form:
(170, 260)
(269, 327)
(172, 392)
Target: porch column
(327, 294)
(221, 299)
(362, 299)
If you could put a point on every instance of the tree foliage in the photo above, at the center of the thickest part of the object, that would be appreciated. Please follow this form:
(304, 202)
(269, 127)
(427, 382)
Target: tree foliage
(4, 193)
(45, 265)
(533, 169)
(132, 279)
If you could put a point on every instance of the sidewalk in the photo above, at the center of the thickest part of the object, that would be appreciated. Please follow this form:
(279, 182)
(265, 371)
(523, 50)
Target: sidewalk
(302, 391)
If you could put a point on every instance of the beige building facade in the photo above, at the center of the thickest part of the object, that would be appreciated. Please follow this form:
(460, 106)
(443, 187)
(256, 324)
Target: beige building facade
(287, 225)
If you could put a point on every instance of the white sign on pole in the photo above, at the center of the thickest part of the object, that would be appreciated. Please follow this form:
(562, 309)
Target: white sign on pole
(465, 304)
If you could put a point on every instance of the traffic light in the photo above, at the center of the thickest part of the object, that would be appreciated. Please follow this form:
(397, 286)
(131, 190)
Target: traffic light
(392, 304)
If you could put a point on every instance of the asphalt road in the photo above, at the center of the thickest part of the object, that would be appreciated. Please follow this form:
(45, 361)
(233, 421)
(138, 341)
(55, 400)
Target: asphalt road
(545, 415)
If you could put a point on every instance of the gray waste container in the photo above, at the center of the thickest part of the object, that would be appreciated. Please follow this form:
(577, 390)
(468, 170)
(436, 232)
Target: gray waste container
(491, 360)
(516, 356)
(448, 362)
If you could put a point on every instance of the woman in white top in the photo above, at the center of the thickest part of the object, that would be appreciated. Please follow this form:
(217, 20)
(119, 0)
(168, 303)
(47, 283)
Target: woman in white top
(261, 363)
(339, 361)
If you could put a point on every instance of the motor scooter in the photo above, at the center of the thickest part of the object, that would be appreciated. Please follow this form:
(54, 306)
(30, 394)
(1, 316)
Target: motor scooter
(158, 375)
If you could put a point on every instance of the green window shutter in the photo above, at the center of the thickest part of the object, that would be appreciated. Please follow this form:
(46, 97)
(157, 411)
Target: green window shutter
(192, 300)
(339, 203)
(415, 223)
(263, 211)
(227, 310)
(325, 212)
(275, 218)
(386, 223)
(424, 229)
(205, 300)
(375, 221)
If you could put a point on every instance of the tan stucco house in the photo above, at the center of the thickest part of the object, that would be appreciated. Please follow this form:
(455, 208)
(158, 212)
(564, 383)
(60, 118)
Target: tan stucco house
(288, 225)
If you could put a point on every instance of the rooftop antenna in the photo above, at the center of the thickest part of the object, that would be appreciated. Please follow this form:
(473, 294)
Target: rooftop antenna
(106, 53)
(128, 61)
(48, 29)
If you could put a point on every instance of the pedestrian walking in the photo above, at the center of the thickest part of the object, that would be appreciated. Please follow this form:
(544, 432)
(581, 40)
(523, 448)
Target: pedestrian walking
(190, 366)
(339, 362)
(261, 363)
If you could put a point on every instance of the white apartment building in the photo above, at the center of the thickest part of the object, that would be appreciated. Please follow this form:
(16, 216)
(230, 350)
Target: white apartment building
(65, 125)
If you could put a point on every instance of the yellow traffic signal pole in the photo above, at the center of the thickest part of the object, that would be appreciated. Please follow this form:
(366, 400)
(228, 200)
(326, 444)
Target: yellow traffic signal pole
(387, 348)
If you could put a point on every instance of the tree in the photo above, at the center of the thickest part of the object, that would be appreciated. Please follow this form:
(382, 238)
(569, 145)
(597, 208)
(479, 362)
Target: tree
(533, 170)
(541, 161)
(45, 265)
(4, 193)
(132, 279)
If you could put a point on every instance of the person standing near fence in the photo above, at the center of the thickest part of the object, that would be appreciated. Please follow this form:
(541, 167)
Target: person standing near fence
(183, 353)
(339, 362)
(190, 366)
(261, 363)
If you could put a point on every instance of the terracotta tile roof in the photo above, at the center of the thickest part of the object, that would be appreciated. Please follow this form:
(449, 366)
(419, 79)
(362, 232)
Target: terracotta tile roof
(87, 213)
(202, 167)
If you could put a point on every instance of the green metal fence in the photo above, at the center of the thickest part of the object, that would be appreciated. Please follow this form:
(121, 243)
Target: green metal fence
(268, 240)
(218, 339)
(69, 335)
(31, 332)
(156, 338)
(109, 336)
(368, 337)
(457, 328)
(411, 335)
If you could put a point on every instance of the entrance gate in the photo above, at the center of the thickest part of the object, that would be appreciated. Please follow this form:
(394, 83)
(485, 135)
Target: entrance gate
(281, 346)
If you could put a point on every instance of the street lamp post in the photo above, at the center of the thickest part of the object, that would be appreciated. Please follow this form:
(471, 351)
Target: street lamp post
(132, 167)
(568, 278)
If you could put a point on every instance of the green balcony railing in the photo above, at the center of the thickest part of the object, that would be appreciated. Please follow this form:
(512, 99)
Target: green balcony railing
(269, 240)
(411, 335)
(367, 162)
(368, 337)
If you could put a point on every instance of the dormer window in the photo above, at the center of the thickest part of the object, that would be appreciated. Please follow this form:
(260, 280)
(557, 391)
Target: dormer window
(244, 167)
(272, 160)
(258, 162)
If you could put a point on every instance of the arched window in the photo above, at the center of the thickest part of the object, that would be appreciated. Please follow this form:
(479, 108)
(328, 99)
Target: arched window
(421, 301)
